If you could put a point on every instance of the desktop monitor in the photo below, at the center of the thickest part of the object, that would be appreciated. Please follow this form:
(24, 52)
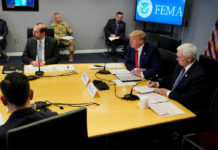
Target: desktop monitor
(160, 11)
(20, 5)
(65, 131)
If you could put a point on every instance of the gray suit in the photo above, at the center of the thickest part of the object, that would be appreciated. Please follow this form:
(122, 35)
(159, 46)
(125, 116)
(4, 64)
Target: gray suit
(51, 53)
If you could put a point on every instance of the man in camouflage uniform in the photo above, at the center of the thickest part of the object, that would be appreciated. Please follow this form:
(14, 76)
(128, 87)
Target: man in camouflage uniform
(62, 29)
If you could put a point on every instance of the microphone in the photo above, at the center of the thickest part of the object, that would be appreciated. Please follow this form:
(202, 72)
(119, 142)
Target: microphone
(39, 72)
(104, 71)
(133, 97)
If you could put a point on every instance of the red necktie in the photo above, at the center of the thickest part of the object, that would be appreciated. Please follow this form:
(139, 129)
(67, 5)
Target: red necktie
(136, 59)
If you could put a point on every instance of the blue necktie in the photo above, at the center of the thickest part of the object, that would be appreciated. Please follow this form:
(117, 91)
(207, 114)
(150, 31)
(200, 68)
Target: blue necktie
(117, 26)
(40, 51)
(178, 79)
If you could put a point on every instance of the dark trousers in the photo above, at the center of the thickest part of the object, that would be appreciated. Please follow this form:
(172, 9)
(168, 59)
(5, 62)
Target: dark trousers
(115, 43)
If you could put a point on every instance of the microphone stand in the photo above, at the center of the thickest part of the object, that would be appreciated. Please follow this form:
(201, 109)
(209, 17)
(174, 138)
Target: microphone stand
(104, 71)
(133, 96)
(39, 72)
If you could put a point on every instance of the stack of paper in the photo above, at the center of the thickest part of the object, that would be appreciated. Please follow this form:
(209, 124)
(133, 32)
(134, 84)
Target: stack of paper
(119, 71)
(143, 89)
(113, 38)
(31, 69)
(165, 109)
(161, 105)
(120, 83)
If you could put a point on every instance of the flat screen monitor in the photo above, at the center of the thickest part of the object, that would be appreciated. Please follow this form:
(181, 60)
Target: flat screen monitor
(20, 5)
(160, 11)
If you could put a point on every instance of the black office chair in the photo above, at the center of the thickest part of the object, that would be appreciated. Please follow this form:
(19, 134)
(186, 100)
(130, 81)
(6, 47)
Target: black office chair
(168, 43)
(205, 139)
(49, 32)
(65, 131)
(169, 62)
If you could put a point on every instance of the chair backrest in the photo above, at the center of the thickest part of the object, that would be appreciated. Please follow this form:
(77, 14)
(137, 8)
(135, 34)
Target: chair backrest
(49, 32)
(168, 62)
(211, 66)
(168, 43)
(65, 131)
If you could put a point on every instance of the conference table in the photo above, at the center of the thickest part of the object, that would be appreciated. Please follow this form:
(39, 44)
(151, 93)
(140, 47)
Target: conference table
(112, 115)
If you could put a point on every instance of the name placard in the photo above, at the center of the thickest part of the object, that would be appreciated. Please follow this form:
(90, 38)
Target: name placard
(85, 78)
(92, 90)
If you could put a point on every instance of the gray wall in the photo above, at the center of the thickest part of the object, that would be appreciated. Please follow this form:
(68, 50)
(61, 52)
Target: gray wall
(88, 17)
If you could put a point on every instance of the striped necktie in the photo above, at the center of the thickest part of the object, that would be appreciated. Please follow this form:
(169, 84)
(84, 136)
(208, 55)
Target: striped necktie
(178, 79)
(40, 51)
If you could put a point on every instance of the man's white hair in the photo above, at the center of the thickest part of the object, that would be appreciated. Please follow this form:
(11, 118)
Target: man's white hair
(188, 49)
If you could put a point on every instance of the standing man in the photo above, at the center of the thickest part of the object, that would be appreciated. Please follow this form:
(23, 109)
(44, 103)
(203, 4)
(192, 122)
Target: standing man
(62, 29)
(40, 49)
(3, 35)
(142, 59)
(189, 83)
(116, 28)
(16, 97)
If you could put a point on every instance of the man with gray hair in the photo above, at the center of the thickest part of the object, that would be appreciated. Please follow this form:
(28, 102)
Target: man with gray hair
(188, 84)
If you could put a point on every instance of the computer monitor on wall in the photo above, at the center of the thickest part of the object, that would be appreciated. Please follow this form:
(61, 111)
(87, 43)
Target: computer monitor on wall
(170, 12)
(20, 5)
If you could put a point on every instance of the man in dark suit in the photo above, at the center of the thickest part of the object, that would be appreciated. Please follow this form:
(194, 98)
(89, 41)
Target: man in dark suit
(188, 84)
(16, 97)
(40, 49)
(3, 35)
(116, 28)
(143, 59)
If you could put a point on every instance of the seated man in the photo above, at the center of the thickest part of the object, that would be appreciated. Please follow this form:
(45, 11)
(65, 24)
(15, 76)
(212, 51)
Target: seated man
(16, 97)
(116, 28)
(189, 83)
(40, 49)
(62, 29)
(3, 35)
(142, 59)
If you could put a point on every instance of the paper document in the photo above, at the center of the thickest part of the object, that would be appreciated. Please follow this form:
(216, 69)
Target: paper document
(127, 77)
(120, 83)
(1, 120)
(67, 38)
(143, 89)
(50, 68)
(166, 109)
(118, 71)
(114, 65)
(113, 38)
(154, 98)
(93, 67)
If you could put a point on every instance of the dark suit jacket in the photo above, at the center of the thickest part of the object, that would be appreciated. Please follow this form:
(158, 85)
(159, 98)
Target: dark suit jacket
(111, 27)
(19, 118)
(3, 32)
(3, 28)
(192, 90)
(149, 59)
(51, 51)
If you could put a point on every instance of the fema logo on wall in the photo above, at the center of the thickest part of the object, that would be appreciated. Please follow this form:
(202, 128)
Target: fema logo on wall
(144, 8)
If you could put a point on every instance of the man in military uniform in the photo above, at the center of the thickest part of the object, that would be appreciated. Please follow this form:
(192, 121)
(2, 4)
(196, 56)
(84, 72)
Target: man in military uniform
(62, 29)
